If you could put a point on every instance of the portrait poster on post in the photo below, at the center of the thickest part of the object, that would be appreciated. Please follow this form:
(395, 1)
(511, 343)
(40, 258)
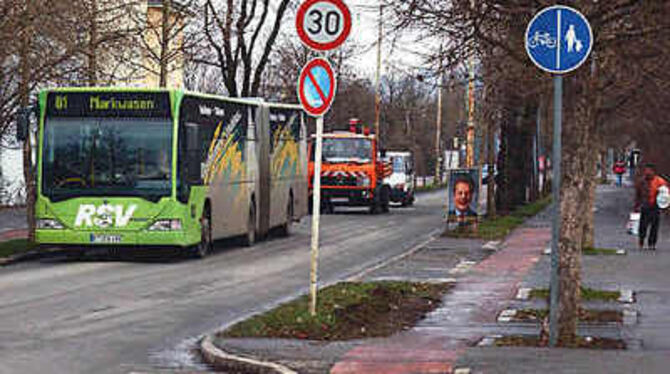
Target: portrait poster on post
(463, 197)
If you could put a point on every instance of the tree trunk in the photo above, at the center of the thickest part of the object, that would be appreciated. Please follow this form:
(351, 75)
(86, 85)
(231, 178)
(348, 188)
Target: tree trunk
(604, 167)
(588, 240)
(577, 196)
(165, 42)
(570, 242)
(24, 101)
(92, 67)
(490, 160)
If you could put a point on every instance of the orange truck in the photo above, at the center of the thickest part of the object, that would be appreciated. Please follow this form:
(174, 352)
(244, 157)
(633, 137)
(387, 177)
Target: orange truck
(352, 170)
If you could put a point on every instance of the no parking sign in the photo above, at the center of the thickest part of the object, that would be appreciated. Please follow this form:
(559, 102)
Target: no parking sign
(316, 87)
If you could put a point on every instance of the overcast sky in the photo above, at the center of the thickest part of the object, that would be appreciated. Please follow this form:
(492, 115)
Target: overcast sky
(400, 56)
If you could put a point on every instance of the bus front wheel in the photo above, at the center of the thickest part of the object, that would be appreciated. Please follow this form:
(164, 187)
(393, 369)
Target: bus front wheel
(205, 246)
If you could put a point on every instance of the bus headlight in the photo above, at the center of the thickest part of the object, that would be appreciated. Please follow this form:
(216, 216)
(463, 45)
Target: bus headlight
(49, 224)
(166, 225)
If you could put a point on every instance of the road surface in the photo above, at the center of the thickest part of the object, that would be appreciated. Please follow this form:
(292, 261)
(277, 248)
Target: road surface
(118, 315)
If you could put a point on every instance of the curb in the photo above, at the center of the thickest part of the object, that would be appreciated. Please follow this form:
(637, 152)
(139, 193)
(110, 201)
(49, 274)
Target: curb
(27, 256)
(237, 364)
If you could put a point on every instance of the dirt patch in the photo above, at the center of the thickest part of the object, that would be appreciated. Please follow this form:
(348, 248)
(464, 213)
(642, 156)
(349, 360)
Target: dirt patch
(585, 315)
(347, 311)
(582, 342)
(587, 294)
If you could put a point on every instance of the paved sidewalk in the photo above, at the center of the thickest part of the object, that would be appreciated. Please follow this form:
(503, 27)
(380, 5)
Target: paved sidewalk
(485, 282)
(465, 315)
(486, 285)
(644, 272)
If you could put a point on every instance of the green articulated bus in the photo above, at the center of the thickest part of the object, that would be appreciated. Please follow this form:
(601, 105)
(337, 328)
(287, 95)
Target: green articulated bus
(141, 167)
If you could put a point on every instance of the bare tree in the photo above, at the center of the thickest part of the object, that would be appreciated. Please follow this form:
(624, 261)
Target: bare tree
(169, 38)
(627, 71)
(33, 58)
(241, 36)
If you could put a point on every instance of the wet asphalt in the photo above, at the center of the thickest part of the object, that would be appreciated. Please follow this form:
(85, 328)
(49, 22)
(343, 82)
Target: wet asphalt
(118, 314)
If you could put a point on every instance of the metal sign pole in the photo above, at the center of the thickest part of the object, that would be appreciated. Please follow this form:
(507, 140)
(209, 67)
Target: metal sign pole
(316, 212)
(556, 186)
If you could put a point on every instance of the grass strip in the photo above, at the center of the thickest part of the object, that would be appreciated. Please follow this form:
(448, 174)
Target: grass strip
(589, 251)
(346, 311)
(501, 226)
(588, 294)
(582, 342)
(584, 315)
(15, 246)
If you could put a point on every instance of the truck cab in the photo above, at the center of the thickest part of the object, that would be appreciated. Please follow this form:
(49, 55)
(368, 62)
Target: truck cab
(352, 171)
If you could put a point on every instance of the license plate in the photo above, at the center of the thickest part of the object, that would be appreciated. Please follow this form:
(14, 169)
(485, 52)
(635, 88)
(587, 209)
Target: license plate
(106, 239)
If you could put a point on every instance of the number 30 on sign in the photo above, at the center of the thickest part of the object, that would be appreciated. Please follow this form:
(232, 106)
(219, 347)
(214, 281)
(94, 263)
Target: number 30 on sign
(323, 24)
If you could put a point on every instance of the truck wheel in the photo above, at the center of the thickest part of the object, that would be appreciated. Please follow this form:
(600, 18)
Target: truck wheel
(250, 237)
(375, 204)
(205, 246)
(327, 207)
(285, 229)
(385, 200)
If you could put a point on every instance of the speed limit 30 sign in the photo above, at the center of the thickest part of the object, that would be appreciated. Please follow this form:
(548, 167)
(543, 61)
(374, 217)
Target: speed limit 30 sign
(323, 24)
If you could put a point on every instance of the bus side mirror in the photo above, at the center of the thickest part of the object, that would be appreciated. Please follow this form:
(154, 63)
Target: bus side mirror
(22, 124)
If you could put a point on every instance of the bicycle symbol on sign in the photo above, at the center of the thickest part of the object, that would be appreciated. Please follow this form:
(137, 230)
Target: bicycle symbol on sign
(543, 39)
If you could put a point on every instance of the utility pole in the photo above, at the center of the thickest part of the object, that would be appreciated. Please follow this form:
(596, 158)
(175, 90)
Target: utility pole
(378, 74)
(470, 150)
(438, 127)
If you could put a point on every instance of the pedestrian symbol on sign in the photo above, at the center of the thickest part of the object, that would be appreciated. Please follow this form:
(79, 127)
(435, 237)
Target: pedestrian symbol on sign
(573, 42)
(558, 39)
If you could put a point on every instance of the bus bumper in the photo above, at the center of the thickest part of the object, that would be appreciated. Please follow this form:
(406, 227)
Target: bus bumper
(118, 238)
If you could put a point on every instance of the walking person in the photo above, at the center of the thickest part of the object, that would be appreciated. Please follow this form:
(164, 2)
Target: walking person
(646, 193)
(619, 168)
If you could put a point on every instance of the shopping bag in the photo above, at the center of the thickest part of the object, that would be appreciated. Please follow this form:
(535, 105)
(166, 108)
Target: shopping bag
(633, 225)
(663, 197)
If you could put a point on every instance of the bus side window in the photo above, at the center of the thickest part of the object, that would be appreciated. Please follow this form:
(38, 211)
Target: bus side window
(193, 154)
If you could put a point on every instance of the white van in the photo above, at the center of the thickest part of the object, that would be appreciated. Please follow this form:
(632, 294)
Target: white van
(402, 180)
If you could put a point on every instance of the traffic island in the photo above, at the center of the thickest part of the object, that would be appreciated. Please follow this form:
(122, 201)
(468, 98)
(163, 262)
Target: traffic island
(288, 338)
(346, 311)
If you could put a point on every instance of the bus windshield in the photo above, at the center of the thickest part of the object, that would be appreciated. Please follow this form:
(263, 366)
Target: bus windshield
(107, 157)
(346, 150)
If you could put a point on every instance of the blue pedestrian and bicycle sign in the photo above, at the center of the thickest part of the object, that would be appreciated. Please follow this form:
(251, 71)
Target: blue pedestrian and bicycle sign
(558, 39)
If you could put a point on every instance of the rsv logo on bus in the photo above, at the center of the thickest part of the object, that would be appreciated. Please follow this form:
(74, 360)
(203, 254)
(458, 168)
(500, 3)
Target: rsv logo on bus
(104, 215)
